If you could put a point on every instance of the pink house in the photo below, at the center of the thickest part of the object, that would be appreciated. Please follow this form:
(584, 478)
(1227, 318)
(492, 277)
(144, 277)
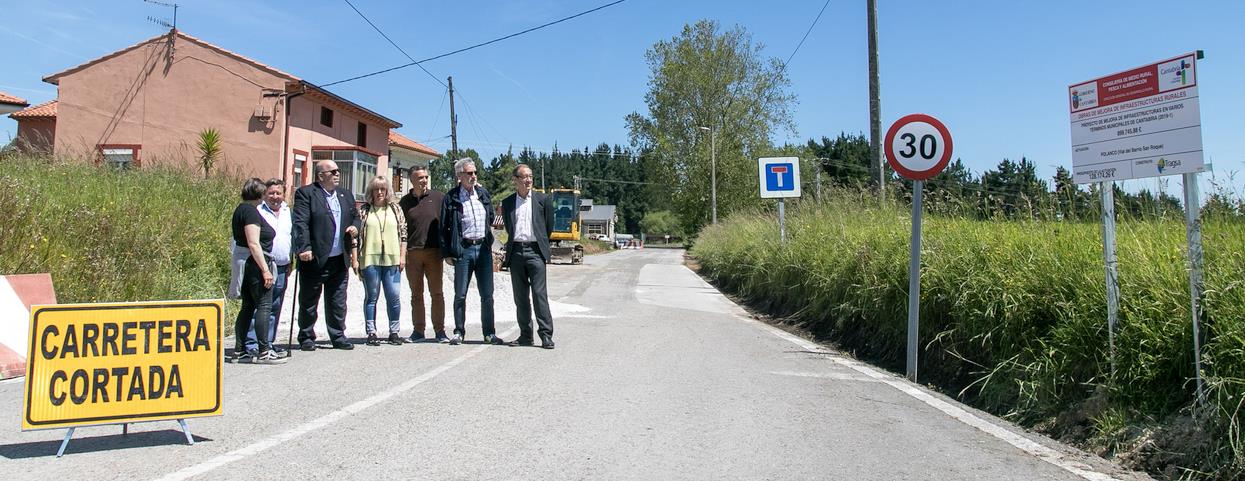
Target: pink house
(146, 104)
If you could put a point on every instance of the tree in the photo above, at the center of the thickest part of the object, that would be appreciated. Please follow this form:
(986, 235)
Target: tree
(1070, 201)
(845, 160)
(209, 149)
(661, 223)
(1014, 188)
(707, 77)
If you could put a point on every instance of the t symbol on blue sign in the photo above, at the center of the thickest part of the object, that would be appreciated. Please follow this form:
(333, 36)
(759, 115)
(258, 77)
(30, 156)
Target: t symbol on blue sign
(780, 177)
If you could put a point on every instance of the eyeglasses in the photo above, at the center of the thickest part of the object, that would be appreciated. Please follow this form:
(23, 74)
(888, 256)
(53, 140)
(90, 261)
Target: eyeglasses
(467, 173)
(523, 177)
(332, 172)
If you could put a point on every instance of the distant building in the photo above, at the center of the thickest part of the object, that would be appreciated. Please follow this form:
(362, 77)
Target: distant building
(36, 127)
(598, 219)
(10, 104)
(405, 153)
(147, 103)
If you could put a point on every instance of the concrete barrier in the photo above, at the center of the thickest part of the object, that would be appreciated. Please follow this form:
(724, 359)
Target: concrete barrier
(17, 294)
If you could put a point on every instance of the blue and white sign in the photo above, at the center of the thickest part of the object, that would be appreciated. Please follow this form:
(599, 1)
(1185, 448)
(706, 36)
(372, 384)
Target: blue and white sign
(779, 177)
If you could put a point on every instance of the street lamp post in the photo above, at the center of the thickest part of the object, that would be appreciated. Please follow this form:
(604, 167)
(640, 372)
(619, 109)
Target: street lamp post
(713, 172)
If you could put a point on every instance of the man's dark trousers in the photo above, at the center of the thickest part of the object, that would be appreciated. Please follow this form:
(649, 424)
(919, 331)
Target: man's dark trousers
(478, 261)
(527, 280)
(332, 278)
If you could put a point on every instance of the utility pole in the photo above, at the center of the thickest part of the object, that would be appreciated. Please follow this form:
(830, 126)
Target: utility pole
(713, 166)
(454, 122)
(875, 103)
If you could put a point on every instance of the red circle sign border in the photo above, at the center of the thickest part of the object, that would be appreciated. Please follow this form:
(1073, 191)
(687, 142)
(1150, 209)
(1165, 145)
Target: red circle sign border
(913, 174)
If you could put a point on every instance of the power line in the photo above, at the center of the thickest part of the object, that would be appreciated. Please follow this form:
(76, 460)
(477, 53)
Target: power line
(391, 42)
(471, 111)
(436, 118)
(415, 62)
(810, 30)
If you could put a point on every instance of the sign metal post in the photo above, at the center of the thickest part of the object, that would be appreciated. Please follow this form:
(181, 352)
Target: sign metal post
(918, 147)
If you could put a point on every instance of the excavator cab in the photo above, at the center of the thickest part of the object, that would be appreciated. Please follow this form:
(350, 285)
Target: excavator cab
(564, 241)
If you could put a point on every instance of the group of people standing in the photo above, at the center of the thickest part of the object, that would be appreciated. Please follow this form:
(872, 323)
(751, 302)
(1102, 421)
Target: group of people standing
(330, 236)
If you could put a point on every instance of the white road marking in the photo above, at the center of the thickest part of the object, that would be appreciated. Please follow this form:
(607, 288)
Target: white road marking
(825, 375)
(1024, 444)
(322, 421)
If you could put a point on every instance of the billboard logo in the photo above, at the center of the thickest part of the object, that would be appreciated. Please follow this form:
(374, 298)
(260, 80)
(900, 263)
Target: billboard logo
(1076, 99)
(1182, 74)
(1162, 164)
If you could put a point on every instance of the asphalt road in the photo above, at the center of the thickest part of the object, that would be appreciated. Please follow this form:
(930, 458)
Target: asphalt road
(656, 376)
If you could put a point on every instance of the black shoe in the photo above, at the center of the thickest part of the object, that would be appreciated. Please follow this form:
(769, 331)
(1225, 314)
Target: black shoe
(372, 340)
(395, 339)
(494, 340)
(308, 345)
(417, 337)
(343, 345)
(522, 341)
(546, 342)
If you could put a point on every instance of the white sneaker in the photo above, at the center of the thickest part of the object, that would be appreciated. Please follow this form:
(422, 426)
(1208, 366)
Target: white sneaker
(269, 358)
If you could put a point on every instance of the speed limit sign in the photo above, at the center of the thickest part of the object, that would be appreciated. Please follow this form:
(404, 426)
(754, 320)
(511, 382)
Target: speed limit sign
(918, 146)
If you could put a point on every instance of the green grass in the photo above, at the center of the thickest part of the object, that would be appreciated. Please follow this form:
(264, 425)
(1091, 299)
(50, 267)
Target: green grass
(108, 236)
(1013, 315)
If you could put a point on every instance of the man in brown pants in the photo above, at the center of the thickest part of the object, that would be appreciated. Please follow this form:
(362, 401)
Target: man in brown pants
(422, 207)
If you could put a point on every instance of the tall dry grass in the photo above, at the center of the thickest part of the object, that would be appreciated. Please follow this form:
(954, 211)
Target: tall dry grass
(1013, 316)
(154, 233)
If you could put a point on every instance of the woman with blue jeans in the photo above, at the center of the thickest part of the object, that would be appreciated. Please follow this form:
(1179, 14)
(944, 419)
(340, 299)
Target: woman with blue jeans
(378, 258)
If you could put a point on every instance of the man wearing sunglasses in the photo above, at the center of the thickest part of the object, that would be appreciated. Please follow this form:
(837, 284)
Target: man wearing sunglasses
(325, 224)
(467, 244)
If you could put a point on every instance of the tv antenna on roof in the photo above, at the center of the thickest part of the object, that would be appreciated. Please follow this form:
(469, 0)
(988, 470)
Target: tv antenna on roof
(164, 21)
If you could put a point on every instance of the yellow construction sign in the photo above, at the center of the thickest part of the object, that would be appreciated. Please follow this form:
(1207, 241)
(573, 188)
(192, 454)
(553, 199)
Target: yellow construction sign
(123, 362)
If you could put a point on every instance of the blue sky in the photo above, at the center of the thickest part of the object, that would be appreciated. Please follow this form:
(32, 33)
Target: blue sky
(995, 72)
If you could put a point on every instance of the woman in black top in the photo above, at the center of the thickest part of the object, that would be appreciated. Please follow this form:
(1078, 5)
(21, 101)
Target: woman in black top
(250, 230)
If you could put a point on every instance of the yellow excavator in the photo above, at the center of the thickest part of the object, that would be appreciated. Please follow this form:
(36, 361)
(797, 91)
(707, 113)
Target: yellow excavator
(564, 243)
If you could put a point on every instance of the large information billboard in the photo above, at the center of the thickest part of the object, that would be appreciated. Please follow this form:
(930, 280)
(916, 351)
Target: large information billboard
(1139, 123)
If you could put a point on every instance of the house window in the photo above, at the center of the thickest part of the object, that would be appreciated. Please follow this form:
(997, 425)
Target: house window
(119, 156)
(300, 176)
(326, 116)
(362, 135)
(595, 229)
(398, 180)
(357, 168)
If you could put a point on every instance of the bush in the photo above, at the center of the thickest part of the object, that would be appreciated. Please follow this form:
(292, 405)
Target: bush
(1013, 313)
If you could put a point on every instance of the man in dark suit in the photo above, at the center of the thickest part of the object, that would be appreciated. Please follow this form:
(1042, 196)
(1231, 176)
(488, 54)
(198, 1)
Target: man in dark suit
(325, 224)
(528, 216)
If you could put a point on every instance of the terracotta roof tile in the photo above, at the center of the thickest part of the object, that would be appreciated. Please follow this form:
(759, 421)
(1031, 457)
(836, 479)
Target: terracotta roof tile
(44, 110)
(403, 141)
(11, 100)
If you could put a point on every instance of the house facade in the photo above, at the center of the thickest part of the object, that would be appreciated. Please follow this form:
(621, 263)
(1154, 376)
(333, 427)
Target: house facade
(597, 219)
(147, 104)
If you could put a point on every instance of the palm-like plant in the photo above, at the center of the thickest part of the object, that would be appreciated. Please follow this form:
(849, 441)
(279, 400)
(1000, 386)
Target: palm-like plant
(209, 149)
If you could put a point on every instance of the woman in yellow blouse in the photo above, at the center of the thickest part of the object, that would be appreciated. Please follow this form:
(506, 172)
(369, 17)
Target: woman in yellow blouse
(378, 257)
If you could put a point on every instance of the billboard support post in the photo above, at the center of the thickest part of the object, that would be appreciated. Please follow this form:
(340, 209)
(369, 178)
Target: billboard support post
(1111, 263)
(1193, 233)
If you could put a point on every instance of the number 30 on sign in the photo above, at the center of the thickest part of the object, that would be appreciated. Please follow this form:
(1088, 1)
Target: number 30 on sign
(918, 146)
